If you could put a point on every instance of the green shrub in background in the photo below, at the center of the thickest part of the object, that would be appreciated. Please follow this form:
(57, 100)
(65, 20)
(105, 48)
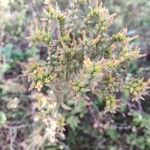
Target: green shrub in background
(16, 16)
(132, 14)
(86, 74)
(12, 22)
(9, 57)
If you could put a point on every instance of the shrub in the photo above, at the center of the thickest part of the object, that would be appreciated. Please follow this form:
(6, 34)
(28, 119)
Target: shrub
(86, 71)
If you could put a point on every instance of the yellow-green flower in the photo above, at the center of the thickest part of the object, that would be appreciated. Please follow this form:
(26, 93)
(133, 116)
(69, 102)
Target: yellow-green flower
(39, 86)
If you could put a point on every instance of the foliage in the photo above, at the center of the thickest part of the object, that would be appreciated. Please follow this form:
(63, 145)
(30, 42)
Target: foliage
(13, 98)
(140, 126)
(86, 71)
(9, 56)
(88, 91)
(16, 16)
(131, 13)
(9, 23)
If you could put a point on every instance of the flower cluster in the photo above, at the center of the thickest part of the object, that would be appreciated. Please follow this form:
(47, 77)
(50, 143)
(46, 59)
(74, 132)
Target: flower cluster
(111, 104)
(39, 75)
(136, 89)
(40, 36)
